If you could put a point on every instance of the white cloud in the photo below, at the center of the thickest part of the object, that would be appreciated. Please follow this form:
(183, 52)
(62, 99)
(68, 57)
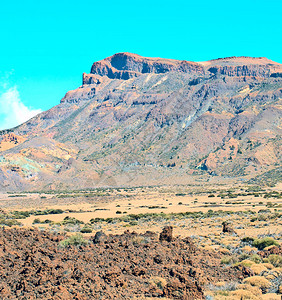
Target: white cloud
(12, 111)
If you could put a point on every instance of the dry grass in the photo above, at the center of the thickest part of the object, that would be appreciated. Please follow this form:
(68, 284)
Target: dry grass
(258, 268)
(258, 281)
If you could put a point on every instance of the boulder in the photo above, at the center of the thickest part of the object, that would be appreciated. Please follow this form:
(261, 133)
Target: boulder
(166, 234)
(227, 228)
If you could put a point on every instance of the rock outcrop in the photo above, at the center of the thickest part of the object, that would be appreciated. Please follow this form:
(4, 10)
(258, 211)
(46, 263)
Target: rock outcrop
(227, 228)
(34, 265)
(166, 234)
(127, 65)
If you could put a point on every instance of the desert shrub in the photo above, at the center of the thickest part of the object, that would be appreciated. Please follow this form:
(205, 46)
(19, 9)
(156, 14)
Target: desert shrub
(138, 240)
(224, 251)
(245, 263)
(20, 214)
(249, 249)
(9, 222)
(258, 268)
(268, 265)
(36, 221)
(133, 223)
(228, 260)
(221, 294)
(246, 291)
(243, 294)
(75, 240)
(253, 289)
(223, 286)
(86, 229)
(47, 212)
(275, 260)
(264, 242)
(96, 220)
(158, 282)
(247, 239)
(47, 221)
(243, 256)
(69, 220)
(258, 281)
(269, 247)
(255, 258)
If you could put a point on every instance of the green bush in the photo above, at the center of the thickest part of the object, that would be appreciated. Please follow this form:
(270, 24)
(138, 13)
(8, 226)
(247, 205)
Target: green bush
(47, 221)
(265, 242)
(255, 258)
(36, 221)
(69, 220)
(96, 220)
(275, 260)
(75, 240)
(228, 260)
(9, 222)
(86, 229)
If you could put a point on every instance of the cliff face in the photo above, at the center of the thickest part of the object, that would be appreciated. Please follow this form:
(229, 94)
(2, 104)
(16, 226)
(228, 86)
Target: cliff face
(243, 66)
(127, 65)
(140, 121)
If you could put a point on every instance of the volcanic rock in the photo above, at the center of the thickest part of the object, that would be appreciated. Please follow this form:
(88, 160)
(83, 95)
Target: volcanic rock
(166, 234)
(100, 237)
(227, 228)
(33, 265)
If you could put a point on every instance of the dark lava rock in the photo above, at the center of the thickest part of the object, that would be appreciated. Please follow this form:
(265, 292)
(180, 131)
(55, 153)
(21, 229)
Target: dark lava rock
(127, 266)
(166, 234)
(100, 237)
(227, 228)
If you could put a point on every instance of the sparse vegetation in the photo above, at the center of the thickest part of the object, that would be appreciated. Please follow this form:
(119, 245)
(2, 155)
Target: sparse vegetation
(74, 240)
(264, 242)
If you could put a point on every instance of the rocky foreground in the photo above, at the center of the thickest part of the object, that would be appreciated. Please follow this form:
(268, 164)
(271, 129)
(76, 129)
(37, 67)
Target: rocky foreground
(43, 265)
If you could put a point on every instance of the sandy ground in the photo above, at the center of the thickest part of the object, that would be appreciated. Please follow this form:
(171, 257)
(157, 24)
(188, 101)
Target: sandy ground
(87, 205)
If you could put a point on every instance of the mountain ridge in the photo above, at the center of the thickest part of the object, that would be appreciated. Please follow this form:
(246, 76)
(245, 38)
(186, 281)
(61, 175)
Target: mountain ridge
(140, 120)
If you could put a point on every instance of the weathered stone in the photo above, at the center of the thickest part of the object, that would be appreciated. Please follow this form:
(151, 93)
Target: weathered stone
(166, 234)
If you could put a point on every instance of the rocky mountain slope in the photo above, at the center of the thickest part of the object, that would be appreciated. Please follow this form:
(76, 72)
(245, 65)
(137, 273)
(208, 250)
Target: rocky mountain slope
(143, 121)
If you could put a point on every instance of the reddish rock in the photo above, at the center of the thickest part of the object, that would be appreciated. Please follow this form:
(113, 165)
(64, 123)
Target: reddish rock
(272, 250)
(32, 264)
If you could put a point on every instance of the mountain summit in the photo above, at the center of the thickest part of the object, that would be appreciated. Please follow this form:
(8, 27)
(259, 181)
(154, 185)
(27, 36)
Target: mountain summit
(127, 65)
(144, 121)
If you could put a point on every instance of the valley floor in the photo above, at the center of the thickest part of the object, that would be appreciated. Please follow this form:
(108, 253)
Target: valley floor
(245, 260)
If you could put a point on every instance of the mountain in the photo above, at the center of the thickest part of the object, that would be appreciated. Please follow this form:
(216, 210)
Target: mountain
(145, 121)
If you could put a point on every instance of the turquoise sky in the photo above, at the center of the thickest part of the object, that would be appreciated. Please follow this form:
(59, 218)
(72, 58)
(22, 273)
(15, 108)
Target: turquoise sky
(47, 45)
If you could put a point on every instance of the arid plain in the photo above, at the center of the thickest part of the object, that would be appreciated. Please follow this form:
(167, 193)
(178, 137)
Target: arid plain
(196, 212)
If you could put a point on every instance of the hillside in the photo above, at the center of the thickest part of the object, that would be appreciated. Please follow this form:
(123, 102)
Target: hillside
(146, 121)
